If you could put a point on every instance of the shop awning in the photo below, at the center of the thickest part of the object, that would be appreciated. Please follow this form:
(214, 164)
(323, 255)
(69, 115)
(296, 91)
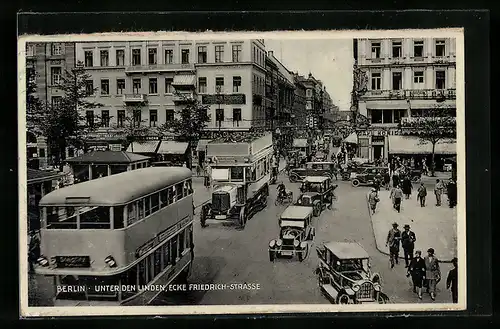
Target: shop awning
(352, 138)
(143, 147)
(184, 80)
(202, 144)
(412, 145)
(299, 142)
(171, 147)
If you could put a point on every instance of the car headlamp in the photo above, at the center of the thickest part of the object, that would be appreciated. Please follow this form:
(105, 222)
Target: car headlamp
(272, 243)
(296, 243)
(279, 242)
(356, 287)
(376, 287)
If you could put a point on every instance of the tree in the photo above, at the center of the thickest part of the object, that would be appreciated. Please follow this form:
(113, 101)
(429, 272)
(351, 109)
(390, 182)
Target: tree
(65, 122)
(133, 125)
(190, 121)
(34, 107)
(433, 126)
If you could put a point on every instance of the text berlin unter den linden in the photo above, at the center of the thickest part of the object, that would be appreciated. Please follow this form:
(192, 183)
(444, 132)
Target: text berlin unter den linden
(158, 287)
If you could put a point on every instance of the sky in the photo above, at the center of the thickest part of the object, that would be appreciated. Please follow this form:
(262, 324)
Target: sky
(329, 60)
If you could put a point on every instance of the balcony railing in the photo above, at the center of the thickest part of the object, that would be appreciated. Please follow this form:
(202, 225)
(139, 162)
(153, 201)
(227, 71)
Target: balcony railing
(159, 68)
(410, 60)
(134, 98)
(411, 121)
(183, 97)
(410, 94)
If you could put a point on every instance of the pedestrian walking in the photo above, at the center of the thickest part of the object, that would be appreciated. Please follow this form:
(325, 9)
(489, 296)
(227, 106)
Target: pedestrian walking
(395, 179)
(452, 280)
(408, 239)
(407, 187)
(417, 272)
(438, 191)
(421, 194)
(373, 199)
(451, 188)
(387, 180)
(397, 197)
(393, 238)
(392, 167)
(432, 272)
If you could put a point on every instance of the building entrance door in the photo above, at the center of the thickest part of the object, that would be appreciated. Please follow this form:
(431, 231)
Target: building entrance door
(378, 151)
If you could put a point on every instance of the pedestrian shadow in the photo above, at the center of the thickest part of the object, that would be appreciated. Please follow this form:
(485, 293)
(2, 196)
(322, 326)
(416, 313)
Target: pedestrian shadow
(205, 270)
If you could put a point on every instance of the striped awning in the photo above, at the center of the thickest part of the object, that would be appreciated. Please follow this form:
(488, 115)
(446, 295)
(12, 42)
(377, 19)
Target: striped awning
(352, 138)
(171, 147)
(184, 80)
(143, 147)
(202, 144)
(413, 145)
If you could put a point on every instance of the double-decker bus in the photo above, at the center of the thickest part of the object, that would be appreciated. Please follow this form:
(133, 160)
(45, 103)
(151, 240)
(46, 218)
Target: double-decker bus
(108, 241)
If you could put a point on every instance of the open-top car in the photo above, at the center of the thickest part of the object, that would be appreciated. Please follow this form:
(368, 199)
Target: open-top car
(366, 175)
(295, 230)
(319, 168)
(344, 274)
(316, 192)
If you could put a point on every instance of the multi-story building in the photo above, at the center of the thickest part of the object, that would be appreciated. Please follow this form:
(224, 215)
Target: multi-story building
(299, 115)
(156, 78)
(405, 77)
(314, 90)
(49, 61)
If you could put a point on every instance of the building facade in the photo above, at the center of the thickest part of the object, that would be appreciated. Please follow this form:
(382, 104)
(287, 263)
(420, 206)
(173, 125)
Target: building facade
(158, 77)
(49, 61)
(404, 78)
(299, 115)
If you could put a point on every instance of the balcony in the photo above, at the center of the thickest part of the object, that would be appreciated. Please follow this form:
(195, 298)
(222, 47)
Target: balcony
(134, 98)
(408, 122)
(409, 94)
(159, 68)
(182, 97)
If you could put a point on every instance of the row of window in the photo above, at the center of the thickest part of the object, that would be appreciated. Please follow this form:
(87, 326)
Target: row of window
(418, 49)
(136, 119)
(166, 255)
(152, 58)
(258, 56)
(418, 78)
(394, 116)
(56, 49)
(153, 85)
(70, 217)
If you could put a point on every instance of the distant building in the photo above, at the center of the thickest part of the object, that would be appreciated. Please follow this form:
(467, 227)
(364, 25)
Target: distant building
(405, 77)
(49, 61)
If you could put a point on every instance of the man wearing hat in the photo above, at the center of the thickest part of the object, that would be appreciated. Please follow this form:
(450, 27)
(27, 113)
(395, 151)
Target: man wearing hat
(393, 238)
(408, 239)
(432, 272)
(452, 280)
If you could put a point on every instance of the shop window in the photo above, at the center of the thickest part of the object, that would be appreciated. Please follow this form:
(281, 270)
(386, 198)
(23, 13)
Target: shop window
(376, 116)
(387, 116)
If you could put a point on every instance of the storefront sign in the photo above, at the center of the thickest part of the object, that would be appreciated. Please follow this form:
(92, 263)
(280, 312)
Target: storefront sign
(233, 99)
(72, 261)
(374, 132)
(145, 248)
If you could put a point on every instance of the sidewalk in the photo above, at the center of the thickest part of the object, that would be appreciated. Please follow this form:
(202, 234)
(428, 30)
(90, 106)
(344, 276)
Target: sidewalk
(434, 226)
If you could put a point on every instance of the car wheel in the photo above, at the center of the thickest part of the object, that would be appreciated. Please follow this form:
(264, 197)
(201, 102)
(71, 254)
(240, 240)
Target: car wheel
(293, 178)
(303, 254)
(343, 299)
(272, 256)
(316, 211)
(355, 183)
(382, 298)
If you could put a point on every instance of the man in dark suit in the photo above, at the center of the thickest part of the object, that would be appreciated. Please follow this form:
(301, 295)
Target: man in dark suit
(452, 281)
(417, 272)
(408, 239)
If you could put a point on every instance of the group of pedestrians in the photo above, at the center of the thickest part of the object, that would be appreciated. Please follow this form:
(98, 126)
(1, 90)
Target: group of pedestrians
(425, 272)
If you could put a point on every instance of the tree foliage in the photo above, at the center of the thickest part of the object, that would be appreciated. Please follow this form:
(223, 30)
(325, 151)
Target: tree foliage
(190, 121)
(65, 122)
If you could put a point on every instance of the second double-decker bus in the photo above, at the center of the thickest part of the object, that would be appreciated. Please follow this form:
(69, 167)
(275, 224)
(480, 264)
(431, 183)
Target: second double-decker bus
(115, 240)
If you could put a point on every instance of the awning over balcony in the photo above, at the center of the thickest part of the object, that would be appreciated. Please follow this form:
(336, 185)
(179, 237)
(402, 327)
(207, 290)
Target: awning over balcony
(184, 80)
(143, 147)
(352, 138)
(171, 147)
(202, 144)
(412, 145)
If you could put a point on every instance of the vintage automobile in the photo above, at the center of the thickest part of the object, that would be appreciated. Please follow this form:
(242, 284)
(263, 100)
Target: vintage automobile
(344, 275)
(366, 175)
(295, 230)
(317, 192)
(320, 156)
(321, 168)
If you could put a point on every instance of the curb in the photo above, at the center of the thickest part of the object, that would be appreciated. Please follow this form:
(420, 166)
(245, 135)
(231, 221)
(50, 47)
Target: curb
(201, 204)
(375, 237)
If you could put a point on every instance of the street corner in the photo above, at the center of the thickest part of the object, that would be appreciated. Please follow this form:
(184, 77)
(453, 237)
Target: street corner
(433, 226)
